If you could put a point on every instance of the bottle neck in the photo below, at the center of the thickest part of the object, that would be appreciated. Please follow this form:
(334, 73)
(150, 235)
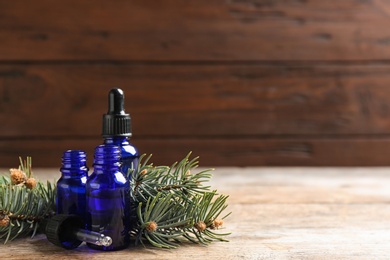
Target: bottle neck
(74, 163)
(79, 171)
(116, 140)
(106, 169)
(107, 158)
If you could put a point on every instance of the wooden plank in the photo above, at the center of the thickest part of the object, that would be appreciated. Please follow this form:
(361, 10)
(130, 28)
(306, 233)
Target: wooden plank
(286, 231)
(217, 152)
(276, 214)
(202, 30)
(196, 101)
(303, 151)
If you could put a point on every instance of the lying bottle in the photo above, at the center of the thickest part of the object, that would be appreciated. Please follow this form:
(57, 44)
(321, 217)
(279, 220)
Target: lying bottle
(67, 231)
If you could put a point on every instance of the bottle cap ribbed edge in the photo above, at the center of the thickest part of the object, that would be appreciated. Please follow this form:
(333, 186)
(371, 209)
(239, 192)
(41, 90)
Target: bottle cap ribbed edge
(59, 230)
(116, 122)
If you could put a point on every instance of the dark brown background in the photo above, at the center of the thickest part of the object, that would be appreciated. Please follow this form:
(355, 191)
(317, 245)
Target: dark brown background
(238, 82)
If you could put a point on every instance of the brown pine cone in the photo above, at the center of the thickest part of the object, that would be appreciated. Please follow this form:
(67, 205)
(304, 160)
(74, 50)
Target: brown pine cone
(151, 226)
(217, 223)
(4, 221)
(200, 226)
(17, 176)
(31, 183)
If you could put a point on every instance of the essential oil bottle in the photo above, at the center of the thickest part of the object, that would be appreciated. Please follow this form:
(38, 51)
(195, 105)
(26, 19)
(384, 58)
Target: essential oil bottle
(67, 231)
(71, 196)
(117, 130)
(108, 198)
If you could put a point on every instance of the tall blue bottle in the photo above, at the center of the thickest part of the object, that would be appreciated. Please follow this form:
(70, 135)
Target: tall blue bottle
(117, 130)
(108, 198)
(71, 197)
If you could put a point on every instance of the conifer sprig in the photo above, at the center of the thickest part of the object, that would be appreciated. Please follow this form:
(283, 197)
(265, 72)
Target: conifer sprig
(173, 204)
(22, 205)
(179, 178)
(161, 220)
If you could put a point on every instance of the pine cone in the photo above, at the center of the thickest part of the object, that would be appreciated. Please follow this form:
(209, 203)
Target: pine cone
(143, 172)
(217, 223)
(151, 226)
(31, 183)
(17, 176)
(200, 226)
(4, 221)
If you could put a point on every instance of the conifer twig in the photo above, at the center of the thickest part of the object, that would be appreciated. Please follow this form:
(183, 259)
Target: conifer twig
(173, 204)
(24, 204)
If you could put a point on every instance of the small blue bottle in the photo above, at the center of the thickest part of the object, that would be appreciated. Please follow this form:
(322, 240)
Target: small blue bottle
(108, 199)
(71, 196)
(117, 130)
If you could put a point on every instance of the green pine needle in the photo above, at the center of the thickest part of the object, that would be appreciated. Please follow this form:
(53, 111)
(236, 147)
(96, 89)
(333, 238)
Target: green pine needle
(174, 202)
(24, 207)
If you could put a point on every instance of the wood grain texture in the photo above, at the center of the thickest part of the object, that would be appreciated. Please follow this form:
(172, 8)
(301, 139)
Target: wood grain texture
(215, 152)
(189, 101)
(229, 115)
(239, 82)
(277, 213)
(201, 30)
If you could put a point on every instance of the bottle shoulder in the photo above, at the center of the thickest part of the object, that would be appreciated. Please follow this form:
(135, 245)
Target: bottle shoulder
(67, 182)
(128, 149)
(107, 180)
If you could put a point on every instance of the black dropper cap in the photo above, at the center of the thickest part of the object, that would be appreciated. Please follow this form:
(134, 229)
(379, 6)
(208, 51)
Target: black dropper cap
(116, 122)
(60, 230)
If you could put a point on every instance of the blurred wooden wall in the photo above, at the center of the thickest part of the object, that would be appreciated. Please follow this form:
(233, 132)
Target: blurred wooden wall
(238, 82)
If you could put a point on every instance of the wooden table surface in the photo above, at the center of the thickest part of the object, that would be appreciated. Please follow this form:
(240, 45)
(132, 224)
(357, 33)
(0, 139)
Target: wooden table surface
(278, 213)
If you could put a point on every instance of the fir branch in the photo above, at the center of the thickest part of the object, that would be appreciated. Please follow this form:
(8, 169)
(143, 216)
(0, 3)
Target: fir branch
(174, 204)
(205, 213)
(23, 205)
(150, 180)
(161, 220)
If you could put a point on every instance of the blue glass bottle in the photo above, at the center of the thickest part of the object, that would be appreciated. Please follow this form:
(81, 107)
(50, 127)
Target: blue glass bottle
(117, 130)
(108, 198)
(130, 155)
(71, 197)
